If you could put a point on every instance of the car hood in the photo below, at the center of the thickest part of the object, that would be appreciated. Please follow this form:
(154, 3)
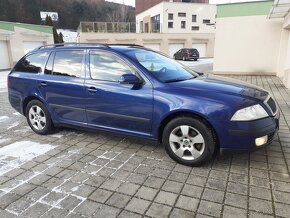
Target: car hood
(212, 83)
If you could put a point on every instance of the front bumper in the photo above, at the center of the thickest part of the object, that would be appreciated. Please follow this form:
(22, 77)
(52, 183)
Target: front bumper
(241, 136)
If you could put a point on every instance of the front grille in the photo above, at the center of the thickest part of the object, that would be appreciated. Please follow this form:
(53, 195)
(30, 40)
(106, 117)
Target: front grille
(272, 105)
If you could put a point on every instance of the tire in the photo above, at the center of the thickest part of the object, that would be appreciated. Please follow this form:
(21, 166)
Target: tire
(38, 117)
(195, 59)
(174, 57)
(193, 149)
(183, 58)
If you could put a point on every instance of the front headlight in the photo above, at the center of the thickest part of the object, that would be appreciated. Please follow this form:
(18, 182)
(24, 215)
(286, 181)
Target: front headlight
(250, 113)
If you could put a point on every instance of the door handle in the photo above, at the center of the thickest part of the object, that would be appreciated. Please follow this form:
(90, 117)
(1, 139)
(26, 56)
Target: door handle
(43, 84)
(92, 90)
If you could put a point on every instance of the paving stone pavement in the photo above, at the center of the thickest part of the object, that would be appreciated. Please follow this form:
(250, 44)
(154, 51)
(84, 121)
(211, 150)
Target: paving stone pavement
(93, 174)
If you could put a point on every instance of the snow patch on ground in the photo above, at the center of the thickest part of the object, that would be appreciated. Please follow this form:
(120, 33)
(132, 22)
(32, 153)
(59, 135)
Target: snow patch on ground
(57, 136)
(18, 153)
(3, 140)
(3, 118)
(26, 129)
(13, 125)
(16, 114)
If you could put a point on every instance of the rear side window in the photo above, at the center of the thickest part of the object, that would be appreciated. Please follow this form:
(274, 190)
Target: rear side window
(32, 63)
(68, 63)
(107, 67)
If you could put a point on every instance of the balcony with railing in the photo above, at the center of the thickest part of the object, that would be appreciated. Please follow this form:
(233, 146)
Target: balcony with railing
(107, 27)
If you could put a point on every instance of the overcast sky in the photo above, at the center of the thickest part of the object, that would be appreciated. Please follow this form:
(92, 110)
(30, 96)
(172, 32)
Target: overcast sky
(132, 2)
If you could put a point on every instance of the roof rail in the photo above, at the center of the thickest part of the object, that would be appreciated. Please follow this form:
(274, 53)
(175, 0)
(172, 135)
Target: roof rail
(120, 44)
(72, 44)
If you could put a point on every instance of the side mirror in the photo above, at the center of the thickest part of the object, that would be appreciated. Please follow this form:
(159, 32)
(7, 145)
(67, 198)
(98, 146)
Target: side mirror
(130, 79)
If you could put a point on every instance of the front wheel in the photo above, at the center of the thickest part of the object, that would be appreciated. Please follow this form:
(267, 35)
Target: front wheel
(38, 117)
(188, 141)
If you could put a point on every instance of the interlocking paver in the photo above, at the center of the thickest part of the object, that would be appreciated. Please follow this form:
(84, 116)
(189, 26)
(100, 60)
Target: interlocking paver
(210, 208)
(137, 205)
(87, 208)
(187, 203)
(100, 195)
(158, 210)
(166, 198)
(96, 174)
(230, 212)
(118, 200)
(146, 193)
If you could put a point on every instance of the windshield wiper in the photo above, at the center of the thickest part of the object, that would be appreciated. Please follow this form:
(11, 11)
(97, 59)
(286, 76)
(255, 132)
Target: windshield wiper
(178, 80)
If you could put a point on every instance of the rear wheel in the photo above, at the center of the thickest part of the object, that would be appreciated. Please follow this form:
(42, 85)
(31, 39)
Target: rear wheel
(195, 59)
(38, 117)
(188, 141)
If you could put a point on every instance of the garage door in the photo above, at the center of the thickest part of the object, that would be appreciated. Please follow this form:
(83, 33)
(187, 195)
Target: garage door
(29, 46)
(174, 47)
(4, 56)
(153, 46)
(201, 47)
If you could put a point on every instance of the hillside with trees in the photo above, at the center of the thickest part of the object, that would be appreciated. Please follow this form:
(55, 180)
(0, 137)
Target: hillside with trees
(70, 12)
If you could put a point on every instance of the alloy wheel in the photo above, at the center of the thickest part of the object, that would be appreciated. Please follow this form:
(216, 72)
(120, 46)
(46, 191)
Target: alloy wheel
(187, 142)
(37, 117)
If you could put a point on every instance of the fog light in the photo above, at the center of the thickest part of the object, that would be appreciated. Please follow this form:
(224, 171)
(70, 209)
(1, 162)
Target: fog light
(262, 140)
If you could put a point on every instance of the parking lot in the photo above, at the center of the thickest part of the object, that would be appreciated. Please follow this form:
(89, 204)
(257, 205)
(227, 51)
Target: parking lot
(73, 173)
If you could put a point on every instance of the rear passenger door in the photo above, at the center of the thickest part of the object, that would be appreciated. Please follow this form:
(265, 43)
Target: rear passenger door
(62, 86)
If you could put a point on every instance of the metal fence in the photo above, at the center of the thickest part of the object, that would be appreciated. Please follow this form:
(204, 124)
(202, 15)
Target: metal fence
(107, 27)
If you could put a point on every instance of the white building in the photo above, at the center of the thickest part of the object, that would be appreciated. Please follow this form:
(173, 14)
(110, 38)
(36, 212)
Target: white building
(165, 27)
(253, 38)
(16, 39)
(177, 17)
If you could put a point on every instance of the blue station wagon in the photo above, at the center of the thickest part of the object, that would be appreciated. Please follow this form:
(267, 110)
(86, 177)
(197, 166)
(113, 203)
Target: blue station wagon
(132, 90)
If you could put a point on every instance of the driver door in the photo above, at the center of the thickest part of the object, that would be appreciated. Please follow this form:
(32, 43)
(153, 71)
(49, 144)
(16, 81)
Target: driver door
(112, 105)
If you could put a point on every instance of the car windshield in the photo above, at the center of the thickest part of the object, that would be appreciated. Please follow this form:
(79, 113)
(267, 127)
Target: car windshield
(163, 68)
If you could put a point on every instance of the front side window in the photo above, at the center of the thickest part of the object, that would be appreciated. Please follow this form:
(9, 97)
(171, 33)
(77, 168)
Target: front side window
(68, 63)
(161, 67)
(107, 67)
(32, 63)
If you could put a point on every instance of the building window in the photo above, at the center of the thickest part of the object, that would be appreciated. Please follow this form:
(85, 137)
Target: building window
(194, 18)
(206, 21)
(195, 28)
(170, 24)
(141, 26)
(180, 14)
(183, 24)
(156, 24)
(170, 16)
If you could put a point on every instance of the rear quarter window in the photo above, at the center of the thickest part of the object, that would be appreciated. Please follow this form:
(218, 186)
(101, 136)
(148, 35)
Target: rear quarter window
(32, 63)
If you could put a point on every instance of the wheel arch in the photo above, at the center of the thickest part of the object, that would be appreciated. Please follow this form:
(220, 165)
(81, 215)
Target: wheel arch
(29, 99)
(177, 114)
